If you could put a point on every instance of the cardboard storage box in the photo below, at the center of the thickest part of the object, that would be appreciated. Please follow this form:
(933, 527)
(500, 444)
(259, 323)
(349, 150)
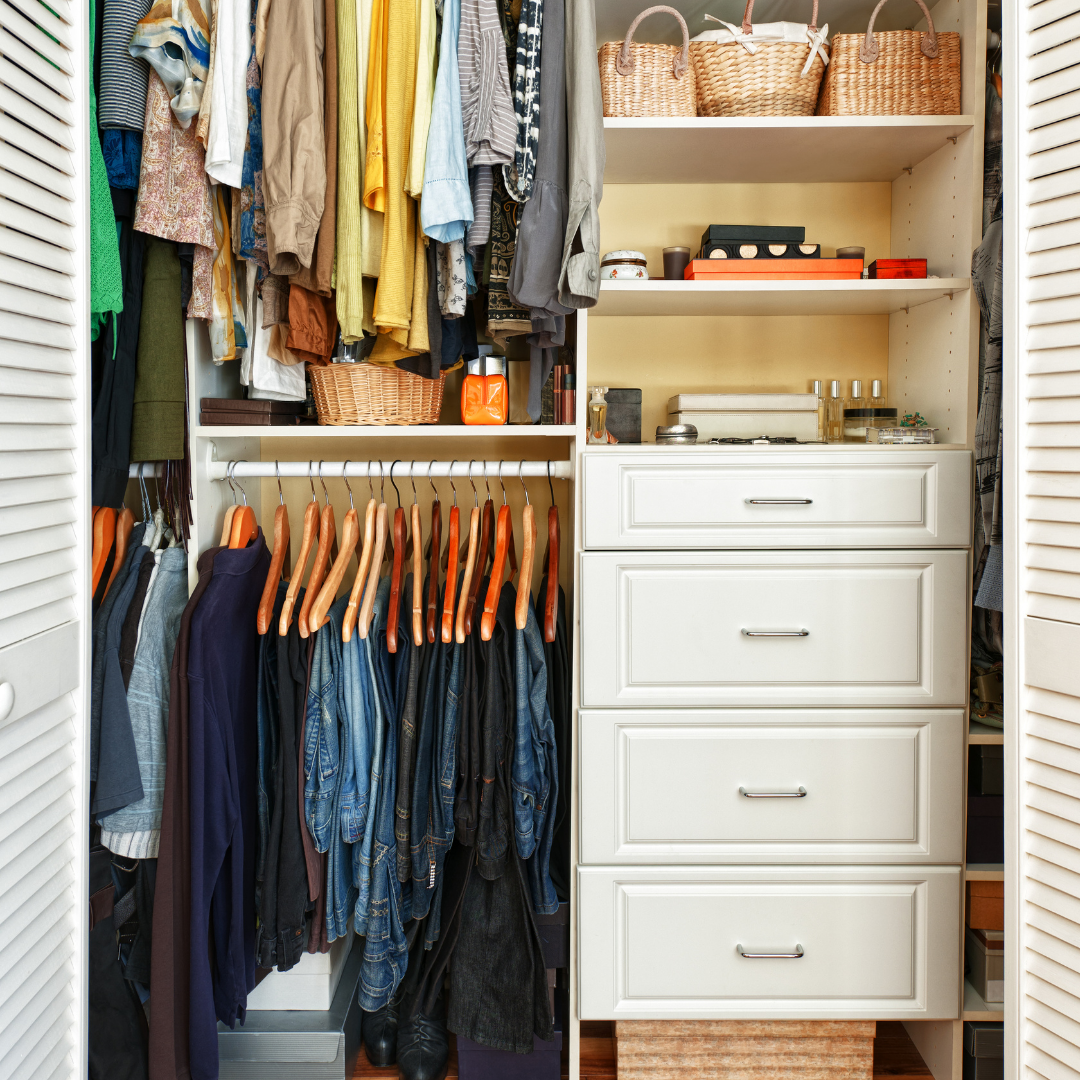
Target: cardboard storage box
(986, 963)
(986, 770)
(986, 905)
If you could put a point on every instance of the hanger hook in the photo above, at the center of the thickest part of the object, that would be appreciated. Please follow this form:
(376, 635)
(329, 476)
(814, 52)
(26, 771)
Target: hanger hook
(551, 487)
(238, 484)
(326, 494)
(412, 479)
(277, 473)
(310, 480)
(487, 482)
(432, 482)
(501, 484)
(521, 465)
(475, 498)
(450, 474)
(146, 496)
(382, 483)
(345, 477)
(396, 492)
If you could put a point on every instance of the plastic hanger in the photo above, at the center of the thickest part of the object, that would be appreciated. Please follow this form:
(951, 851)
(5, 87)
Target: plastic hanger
(417, 567)
(327, 536)
(307, 542)
(434, 545)
(487, 540)
(125, 522)
(348, 622)
(504, 542)
(104, 534)
(350, 533)
(277, 559)
(447, 628)
(226, 528)
(470, 562)
(397, 570)
(244, 526)
(551, 561)
(363, 624)
(528, 552)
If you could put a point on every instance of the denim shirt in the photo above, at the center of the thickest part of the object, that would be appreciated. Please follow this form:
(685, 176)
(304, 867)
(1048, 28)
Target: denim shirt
(358, 773)
(446, 208)
(535, 778)
(322, 757)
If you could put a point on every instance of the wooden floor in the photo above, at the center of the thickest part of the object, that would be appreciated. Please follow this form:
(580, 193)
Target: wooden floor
(895, 1056)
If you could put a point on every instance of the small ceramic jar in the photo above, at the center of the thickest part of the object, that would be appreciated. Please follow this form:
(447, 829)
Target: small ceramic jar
(624, 266)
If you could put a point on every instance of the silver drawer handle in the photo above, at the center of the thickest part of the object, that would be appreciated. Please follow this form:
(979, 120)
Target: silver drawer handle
(779, 502)
(800, 794)
(798, 954)
(776, 633)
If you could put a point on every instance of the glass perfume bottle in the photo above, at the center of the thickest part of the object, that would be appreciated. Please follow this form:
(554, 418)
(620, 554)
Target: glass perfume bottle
(816, 390)
(877, 398)
(597, 415)
(856, 401)
(834, 414)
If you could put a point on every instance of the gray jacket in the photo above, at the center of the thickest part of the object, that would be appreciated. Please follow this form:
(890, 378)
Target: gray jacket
(579, 282)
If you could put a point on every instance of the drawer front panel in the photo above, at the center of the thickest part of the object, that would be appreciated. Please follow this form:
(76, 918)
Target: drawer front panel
(673, 499)
(795, 786)
(803, 628)
(871, 943)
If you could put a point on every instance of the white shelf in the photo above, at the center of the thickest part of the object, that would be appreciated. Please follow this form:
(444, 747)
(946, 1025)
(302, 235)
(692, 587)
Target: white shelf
(984, 872)
(984, 735)
(417, 431)
(771, 297)
(772, 149)
(977, 1009)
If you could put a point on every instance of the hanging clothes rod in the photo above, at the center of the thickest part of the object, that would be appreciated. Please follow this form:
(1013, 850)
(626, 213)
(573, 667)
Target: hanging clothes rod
(403, 467)
(146, 469)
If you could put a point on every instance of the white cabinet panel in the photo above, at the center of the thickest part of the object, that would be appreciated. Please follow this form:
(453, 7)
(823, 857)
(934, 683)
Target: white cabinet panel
(770, 785)
(858, 628)
(694, 498)
(876, 942)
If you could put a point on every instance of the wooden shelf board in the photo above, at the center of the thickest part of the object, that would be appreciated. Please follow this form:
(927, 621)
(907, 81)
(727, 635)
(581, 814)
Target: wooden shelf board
(984, 872)
(983, 735)
(772, 149)
(977, 1009)
(683, 298)
(422, 431)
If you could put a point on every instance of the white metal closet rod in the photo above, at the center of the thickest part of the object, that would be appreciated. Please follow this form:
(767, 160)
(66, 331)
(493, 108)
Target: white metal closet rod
(403, 467)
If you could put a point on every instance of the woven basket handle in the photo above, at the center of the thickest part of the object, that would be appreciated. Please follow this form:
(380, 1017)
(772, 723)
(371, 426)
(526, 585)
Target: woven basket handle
(747, 27)
(624, 62)
(868, 50)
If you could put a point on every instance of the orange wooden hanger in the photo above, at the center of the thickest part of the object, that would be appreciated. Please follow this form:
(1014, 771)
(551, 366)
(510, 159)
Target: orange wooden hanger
(363, 624)
(125, 522)
(551, 560)
(434, 544)
(327, 536)
(277, 561)
(104, 534)
(487, 551)
(350, 533)
(244, 526)
(504, 545)
(447, 627)
(470, 570)
(528, 550)
(308, 541)
(417, 568)
(397, 570)
(352, 611)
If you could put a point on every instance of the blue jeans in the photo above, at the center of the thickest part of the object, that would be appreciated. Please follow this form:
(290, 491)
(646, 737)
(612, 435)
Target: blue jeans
(534, 778)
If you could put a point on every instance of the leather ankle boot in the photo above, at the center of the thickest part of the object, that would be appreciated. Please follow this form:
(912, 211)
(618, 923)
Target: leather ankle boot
(423, 1045)
(379, 1032)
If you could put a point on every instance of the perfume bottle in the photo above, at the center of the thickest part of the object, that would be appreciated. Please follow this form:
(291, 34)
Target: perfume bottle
(820, 410)
(597, 415)
(877, 398)
(856, 401)
(834, 414)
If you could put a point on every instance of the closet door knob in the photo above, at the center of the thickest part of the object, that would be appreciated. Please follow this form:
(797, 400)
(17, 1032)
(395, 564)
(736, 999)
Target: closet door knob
(776, 633)
(779, 502)
(7, 700)
(800, 794)
(798, 954)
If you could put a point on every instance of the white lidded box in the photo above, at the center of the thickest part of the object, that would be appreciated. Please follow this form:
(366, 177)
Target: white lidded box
(747, 416)
(309, 986)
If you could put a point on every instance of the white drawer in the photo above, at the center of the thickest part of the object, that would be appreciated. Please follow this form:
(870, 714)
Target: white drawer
(709, 498)
(876, 942)
(771, 785)
(876, 628)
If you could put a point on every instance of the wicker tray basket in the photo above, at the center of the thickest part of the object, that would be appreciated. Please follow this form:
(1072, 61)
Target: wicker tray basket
(639, 79)
(780, 78)
(352, 394)
(893, 73)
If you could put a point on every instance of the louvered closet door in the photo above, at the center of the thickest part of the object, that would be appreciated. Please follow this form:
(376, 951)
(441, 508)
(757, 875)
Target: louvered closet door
(43, 505)
(1043, 936)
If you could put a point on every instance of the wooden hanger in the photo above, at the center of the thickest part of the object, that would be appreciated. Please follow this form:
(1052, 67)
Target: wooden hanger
(498, 568)
(277, 561)
(447, 628)
(104, 534)
(125, 522)
(511, 543)
(226, 528)
(244, 527)
(434, 545)
(417, 568)
(528, 550)
(396, 571)
(486, 552)
(348, 622)
(309, 539)
(327, 536)
(363, 624)
(470, 570)
(350, 533)
(551, 560)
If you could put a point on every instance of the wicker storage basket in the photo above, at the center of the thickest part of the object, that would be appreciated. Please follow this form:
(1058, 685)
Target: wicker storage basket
(348, 394)
(780, 78)
(647, 80)
(892, 73)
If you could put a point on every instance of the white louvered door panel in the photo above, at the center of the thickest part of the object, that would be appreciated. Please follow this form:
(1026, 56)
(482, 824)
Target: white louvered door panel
(44, 520)
(1042, 514)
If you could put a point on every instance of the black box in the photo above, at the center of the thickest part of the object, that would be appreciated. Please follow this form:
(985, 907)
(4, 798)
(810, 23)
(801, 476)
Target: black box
(737, 251)
(624, 413)
(554, 933)
(983, 1068)
(986, 770)
(986, 829)
(741, 234)
(984, 1039)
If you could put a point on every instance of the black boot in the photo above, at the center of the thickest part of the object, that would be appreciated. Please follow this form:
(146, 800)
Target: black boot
(423, 1044)
(379, 1031)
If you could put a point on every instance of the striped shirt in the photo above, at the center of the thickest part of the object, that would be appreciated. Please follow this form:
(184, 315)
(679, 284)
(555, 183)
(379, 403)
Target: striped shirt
(122, 101)
(487, 108)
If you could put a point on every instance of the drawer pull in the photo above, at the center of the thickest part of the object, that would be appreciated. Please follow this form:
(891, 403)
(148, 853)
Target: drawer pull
(798, 954)
(800, 794)
(779, 502)
(776, 633)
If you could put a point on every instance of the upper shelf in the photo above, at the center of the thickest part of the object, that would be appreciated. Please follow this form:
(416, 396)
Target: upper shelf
(770, 297)
(772, 149)
(359, 431)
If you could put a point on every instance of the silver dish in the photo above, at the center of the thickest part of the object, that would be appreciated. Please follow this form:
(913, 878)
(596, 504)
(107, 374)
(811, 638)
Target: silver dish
(676, 435)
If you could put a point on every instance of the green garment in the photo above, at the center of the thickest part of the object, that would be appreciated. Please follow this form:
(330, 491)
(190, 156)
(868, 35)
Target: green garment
(106, 282)
(157, 419)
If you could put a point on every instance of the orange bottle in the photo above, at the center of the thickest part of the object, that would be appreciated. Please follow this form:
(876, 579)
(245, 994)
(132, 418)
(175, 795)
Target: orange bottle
(485, 393)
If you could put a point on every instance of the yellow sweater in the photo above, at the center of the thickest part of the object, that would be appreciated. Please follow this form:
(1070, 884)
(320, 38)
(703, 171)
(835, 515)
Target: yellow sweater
(350, 292)
(375, 172)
